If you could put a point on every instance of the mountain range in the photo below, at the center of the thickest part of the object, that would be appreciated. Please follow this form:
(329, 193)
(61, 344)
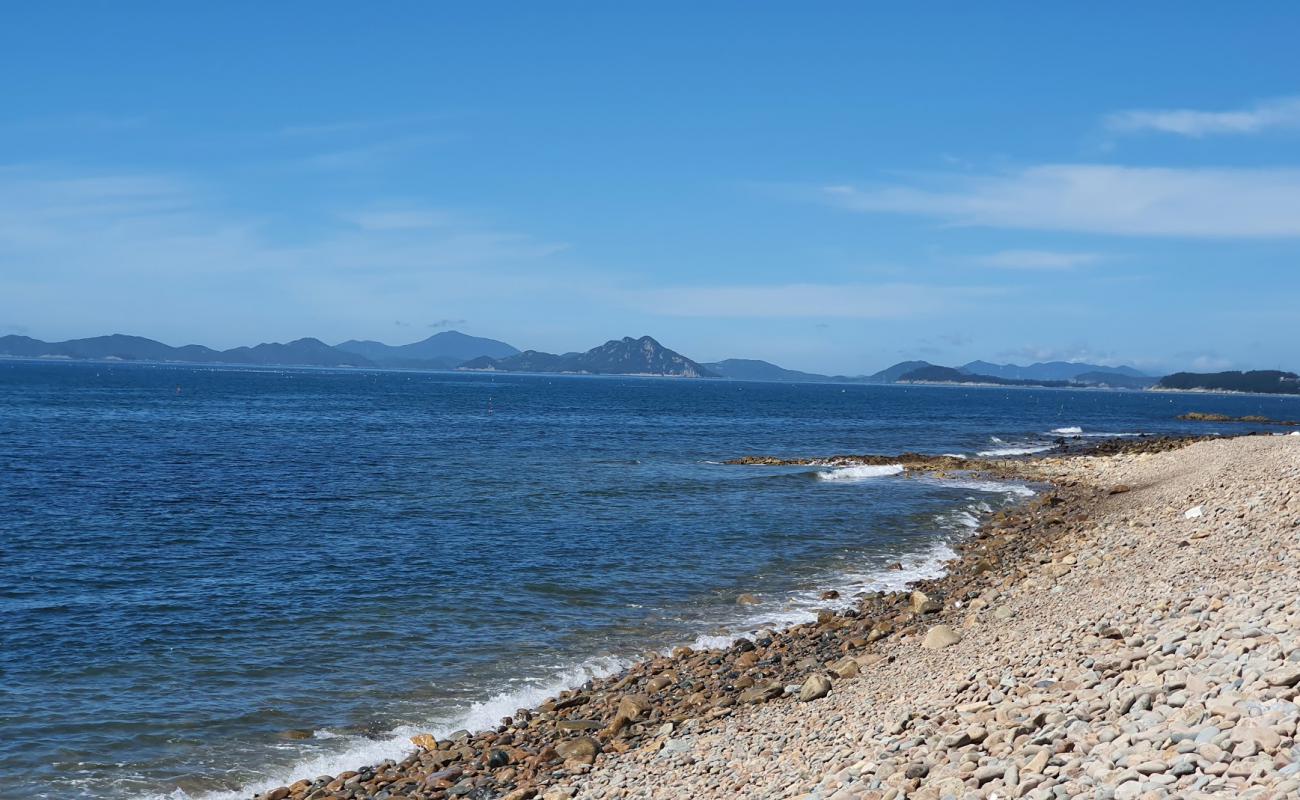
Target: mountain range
(441, 351)
(445, 350)
(1051, 373)
(626, 356)
(120, 347)
(1045, 370)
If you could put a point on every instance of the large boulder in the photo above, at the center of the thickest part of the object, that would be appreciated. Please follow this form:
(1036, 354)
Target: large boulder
(816, 687)
(582, 750)
(939, 637)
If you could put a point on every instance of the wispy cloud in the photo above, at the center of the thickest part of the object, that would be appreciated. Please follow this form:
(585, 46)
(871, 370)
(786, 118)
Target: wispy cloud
(1090, 198)
(401, 219)
(446, 323)
(367, 155)
(1281, 113)
(97, 250)
(346, 127)
(1048, 260)
(862, 301)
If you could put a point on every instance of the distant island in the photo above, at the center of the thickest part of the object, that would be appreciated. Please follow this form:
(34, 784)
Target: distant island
(1267, 381)
(1255, 419)
(1049, 374)
(626, 356)
(935, 374)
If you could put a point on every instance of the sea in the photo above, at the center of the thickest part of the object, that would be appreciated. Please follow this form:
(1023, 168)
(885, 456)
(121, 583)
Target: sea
(219, 580)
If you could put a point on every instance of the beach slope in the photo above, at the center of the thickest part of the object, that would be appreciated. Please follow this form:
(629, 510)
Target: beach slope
(1152, 649)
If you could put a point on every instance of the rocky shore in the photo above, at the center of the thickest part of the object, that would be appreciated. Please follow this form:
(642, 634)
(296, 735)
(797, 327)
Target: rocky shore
(1133, 633)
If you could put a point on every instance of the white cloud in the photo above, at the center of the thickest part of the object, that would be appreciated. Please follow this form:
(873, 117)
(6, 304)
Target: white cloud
(863, 301)
(1037, 260)
(1091, 198)
(1282, 113)
(113, 251)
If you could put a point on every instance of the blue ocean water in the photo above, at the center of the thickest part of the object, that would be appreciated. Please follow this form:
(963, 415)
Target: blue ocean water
(195, 562)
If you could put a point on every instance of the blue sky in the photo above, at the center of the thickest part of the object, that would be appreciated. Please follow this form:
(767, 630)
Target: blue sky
(828, 186)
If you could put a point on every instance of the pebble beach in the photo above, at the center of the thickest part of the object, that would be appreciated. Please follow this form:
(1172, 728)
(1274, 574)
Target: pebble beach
(1133, 632)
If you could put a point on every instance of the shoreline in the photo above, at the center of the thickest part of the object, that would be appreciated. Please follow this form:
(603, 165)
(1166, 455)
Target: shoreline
(638, 708)
(1147, 647)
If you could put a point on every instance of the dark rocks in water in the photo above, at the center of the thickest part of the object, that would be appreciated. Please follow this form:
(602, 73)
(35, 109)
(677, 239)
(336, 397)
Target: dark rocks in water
(296, 734)
(1201, 416)
(1138, 444)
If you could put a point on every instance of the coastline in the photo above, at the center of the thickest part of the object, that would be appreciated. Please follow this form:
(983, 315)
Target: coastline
(1147, 646)
(546, 751)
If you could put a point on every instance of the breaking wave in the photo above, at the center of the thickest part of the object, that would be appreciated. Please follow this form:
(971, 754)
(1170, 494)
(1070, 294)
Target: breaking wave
(860, 473)
(1023, 450)
(348, 751)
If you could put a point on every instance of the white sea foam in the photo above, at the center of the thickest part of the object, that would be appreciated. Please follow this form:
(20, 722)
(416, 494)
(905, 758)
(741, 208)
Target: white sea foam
(347, 751)
(1076, 431)
(994, 487)
(396, 744)
(803, 606)
(1015, 451)
(954, 455)
(860, 472)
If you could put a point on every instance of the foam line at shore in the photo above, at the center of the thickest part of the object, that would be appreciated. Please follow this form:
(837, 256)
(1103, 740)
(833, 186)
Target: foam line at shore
(861, 472)
(1015, 451)
(347, 752)
(1075, 430)
(396, 743)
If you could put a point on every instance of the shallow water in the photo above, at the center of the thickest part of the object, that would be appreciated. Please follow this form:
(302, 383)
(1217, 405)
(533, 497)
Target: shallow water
(196, 561)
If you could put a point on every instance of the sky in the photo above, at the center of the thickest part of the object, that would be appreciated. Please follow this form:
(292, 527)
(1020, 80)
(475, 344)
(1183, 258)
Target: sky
(829, 186)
